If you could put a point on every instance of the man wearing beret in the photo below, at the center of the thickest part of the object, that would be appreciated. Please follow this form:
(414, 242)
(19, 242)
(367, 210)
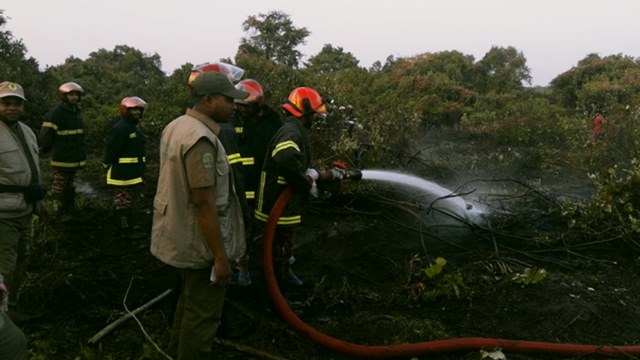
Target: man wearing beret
(197, 219)
(20, 192)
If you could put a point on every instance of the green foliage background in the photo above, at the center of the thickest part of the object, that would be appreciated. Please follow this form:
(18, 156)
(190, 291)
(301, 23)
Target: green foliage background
(483, 99)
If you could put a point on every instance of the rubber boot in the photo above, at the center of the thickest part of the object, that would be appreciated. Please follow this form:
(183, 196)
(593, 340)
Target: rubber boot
(68, 206)
(233, 324)
(127, 231)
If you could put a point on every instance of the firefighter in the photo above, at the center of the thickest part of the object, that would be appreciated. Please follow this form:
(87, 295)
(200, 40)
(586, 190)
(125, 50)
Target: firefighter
(288, 164)
(124, 160)
(62, 133)
(254, 124)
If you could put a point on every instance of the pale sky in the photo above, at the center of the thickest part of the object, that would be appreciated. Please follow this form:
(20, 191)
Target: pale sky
(553, 35)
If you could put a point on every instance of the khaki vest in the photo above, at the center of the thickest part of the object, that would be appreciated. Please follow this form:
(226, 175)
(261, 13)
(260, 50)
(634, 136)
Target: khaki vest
(14, 169)
(176, 237)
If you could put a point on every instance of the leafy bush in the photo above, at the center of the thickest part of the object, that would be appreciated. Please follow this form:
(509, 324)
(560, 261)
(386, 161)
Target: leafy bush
(614, 210)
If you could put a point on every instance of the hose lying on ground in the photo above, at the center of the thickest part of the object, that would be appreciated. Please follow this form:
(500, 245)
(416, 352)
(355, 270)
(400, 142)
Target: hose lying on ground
(407, 350)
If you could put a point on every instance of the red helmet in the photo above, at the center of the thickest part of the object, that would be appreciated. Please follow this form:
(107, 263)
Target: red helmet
(67, 88)
(131, 102)
(233, 72)
(256, 95)
(304, 101)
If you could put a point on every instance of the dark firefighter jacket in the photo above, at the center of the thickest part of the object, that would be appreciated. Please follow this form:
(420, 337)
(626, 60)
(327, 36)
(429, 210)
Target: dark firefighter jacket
(253, 139)
(285, 164)
(125, 154)
(229, 143)
(62, 132)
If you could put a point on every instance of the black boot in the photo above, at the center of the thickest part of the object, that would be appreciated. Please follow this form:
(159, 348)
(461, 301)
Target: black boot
(127, 231)
(233, 324)
(68, 206)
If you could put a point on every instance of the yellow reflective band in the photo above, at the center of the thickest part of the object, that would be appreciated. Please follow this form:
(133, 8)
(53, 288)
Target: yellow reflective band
(131, 160)
(281, 180)
(285, 145)
(250, 194)
(70, 132)
(133, 136)
(283, 220)
(263, 176)
(239, 130)
(234, 158)
(50, 125)
(248, 161)
(68, 165)
(115, 182)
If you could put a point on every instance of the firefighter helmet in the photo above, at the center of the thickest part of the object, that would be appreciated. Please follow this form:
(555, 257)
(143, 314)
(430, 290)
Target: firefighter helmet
(233, 72)
(256, 95)
(304, 101)
(68, 87)
(131, 102)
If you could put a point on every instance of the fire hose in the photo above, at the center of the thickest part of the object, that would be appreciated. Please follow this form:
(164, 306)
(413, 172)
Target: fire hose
(407, 350)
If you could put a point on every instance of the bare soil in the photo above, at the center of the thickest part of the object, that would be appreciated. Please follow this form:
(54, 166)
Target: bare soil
(361, 254)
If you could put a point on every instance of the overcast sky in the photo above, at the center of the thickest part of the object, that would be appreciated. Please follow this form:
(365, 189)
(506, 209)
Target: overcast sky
(553, 34)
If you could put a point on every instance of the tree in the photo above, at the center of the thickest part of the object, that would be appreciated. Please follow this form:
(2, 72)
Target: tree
(502, 70)
(16, 67)
(597, 83)
(107, 76)
(273, 36)
(331, 59)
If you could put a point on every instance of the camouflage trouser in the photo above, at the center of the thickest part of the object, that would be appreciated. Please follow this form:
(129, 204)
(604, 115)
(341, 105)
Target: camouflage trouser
(122, 198)
(283, 250)
(125, 197)
(62, 182)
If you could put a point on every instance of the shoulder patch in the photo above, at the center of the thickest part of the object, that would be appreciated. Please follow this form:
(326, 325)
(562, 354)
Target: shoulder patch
(208, 161)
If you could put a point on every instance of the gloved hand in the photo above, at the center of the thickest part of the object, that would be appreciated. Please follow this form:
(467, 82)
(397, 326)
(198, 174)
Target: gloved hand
(313, 174)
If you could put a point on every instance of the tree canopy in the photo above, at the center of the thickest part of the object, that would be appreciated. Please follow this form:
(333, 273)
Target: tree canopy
(273, 36)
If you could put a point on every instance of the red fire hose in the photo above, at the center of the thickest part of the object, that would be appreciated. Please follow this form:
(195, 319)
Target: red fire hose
(407, 350)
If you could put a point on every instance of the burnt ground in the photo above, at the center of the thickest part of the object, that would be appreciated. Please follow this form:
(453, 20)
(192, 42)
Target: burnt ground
(361, 254)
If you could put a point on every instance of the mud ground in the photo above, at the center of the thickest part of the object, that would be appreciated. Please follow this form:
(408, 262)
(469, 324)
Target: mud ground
(361, 254)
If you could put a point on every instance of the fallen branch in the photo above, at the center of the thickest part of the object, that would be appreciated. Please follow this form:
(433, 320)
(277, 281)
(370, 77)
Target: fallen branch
(248, 350)
(126, 317)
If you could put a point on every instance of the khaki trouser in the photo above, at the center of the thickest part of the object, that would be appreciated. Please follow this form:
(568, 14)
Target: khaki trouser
(15, 239)
(197, 316)
(13, 344)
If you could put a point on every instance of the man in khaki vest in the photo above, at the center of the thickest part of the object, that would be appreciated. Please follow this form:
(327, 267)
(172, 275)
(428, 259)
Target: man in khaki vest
(197, 219)
(20, 192)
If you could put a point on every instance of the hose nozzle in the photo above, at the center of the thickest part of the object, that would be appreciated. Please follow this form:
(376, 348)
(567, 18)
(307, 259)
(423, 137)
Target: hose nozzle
(353, 174)
(338, 174)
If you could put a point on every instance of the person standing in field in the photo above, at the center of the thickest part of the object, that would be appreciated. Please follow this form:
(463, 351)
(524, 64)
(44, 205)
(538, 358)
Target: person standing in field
(197, 218)
(125, 159)
(62, 133)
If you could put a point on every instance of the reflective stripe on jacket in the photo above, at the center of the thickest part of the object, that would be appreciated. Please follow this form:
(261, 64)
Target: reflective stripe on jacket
(125, 154)
(63, 132)
(253, 140)
(288, 157)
